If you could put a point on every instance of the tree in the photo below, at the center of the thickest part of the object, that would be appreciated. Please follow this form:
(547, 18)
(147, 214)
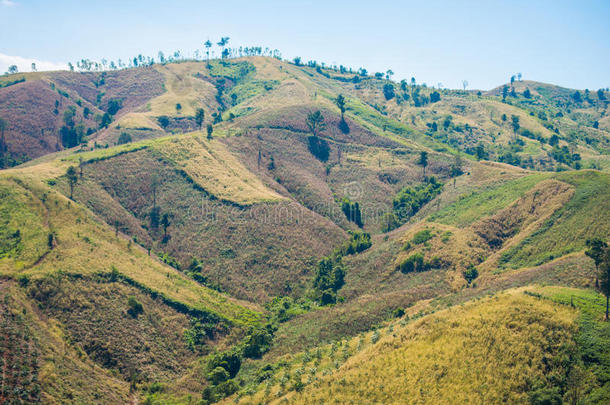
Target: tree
(178, 107)
(210, 130)
(114, 105)
(465, 84)
(512, 79)
(519, 76)
(600, 94)
(106, 120)
(165, 222)
(388, 91)
(72, 178)
(224, 41)
(595, 251)
(124, 138)
(389, 74)
(527, 93)
(34, 67)
(199, 117)
(163, 121)
(340, 102)
(208, 45)
(456, 168)
(577, 97)
(12, 69)
(435, 97)
(504, 92)
(515, 124)
(315, 123)
(423, 160)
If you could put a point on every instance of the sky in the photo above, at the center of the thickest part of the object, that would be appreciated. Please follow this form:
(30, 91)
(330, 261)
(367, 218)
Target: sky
(481, 41)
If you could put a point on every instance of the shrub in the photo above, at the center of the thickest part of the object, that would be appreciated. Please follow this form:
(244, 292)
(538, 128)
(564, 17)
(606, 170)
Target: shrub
(124, 138)
(470, 273)
(389, 221)
(114, 106)
(415, 262)
(422, 237)
(218, 375)
(135, 308)
(257, 343)
(163, 121)
(229, 360)
(358, 242)
(410, 199)
(398, 313)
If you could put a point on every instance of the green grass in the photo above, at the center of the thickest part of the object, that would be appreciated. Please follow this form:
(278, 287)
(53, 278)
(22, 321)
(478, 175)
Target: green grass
(593, 338)
(388, 127)
(23, 234)
(478, 204)
(584, 216)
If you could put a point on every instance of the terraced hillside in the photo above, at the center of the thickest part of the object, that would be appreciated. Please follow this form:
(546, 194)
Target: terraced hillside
(180, 233)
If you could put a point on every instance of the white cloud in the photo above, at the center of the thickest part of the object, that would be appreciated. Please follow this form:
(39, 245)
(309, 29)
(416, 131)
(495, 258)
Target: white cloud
(25, 64)
(8, 3)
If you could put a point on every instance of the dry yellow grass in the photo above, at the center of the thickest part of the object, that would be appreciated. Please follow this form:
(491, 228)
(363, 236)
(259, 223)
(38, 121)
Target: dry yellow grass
(137, 121)
(215, 169)
(487, 351)
(184, 88)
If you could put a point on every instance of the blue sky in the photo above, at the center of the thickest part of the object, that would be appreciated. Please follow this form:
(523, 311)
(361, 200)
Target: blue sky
(484, 42)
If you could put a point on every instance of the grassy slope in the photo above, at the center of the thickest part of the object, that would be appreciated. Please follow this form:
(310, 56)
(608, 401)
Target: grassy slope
(84, 246)
(50, 369)
(436, 359)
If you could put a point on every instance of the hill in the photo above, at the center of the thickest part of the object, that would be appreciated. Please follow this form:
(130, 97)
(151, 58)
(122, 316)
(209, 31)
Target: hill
(178, 233)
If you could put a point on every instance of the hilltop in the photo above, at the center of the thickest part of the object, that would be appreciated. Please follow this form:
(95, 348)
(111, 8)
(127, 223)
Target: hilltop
(181, 231)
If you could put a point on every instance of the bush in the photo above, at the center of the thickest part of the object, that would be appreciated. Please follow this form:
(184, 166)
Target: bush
(124, 138)
(470, 273)
(163, 121)
(229, 360)
(135, 308)
(358, 242)
(435, 97)
(398, 313)
(389, 221)
(415, 262)
(422, 237)
(410, 199)
(218, 375)
(114, 106)
(257, 343)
